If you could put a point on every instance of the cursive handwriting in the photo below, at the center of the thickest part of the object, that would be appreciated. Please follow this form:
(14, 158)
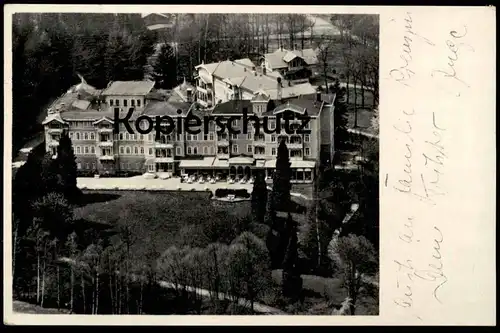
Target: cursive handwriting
(434, 161)
(404, 72)
(450, 72)
(409, 275)
(434, 271)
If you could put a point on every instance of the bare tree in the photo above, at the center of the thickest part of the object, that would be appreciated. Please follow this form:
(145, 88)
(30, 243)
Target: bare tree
(323, 50)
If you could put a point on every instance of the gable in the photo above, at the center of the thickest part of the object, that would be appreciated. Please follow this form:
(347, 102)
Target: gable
(103, 119)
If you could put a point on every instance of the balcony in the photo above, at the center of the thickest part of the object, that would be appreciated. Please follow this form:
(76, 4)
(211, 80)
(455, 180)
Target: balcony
(164, 159)
(164, 144)
(294, 145)
(55, 130)
(105, 130)
(106, 158)
(53, 143)
(223, 143)
(107, 143)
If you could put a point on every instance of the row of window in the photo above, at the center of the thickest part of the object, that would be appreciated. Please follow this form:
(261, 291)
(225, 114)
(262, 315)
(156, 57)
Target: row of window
(190, 137)
(136, 150)
(133, 102)
(124, 166)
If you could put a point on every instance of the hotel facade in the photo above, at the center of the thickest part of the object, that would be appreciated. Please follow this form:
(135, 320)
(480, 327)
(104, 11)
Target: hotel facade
(87, 114)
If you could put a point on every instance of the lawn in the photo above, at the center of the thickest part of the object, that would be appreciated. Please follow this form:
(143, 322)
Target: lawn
(160, 220)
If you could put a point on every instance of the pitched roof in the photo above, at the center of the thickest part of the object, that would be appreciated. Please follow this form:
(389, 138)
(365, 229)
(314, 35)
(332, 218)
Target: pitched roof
(245, 62)
(232, 107)
(132, 88)
(280, 58)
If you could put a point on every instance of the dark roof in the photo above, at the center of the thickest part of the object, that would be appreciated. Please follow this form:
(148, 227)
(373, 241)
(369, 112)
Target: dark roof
(233, 107)
(166, 108)
(312, 107)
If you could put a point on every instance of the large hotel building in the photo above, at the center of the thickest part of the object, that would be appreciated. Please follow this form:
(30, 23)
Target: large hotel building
(225, 89)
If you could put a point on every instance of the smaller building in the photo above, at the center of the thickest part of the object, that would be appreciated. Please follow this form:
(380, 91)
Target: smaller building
(294, 65)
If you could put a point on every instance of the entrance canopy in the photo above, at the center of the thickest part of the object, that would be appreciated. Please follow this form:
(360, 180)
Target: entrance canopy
(241, 160)
(220, 163)
(206, 162)
(302, 164)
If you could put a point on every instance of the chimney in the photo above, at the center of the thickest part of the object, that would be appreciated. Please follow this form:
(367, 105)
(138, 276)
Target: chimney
(278, 93)
(189, 93)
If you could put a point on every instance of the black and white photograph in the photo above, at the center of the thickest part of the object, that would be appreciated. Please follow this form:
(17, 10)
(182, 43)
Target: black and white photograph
(177, 163)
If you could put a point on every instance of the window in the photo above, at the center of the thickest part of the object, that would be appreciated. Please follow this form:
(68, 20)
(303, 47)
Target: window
(273, 151)
(195, 150)
(87, 166)
(150, 137)
(308, 125)
(71, 135)
(128, 150)
(151, 167)
(93, 166)
(234, 136)
(121, 136)
(138, 102)
(249, 135)
(117, 102)
(189, 150)
(235, 149)
(307, 138)
(136, 150)
(308, 151)
(122, 151)
(122, 166)
(178, 151)
(92, 136)
(137, 166)
(79, 165)
(77, 135)
(129, 166)
(142, 150)
(78, 150)
(92, 150)
(141, 137)
(132, 102)
(195, 137)
(150, 151)
(211, 136)
(179, 137)
(249, 149)
(273, 138)
(110, 102)
(272, 123)
(85, 136)
(205, 150)
(125, 102)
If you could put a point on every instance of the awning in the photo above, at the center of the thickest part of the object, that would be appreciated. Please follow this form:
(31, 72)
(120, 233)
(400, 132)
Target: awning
(220, 163)
(206, 162)
(296, 164)
(241, 160)
(260, 163)
(307, 170)
(300, 170)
